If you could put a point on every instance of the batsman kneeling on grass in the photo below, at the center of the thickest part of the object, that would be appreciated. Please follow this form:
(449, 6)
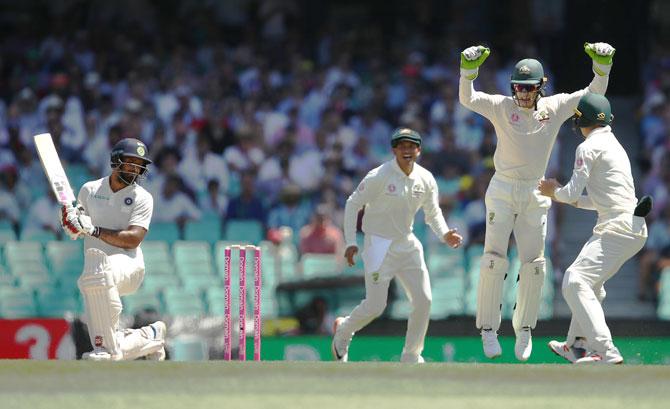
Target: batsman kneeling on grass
(602, 168)
(392, 194)
(526, 125)
(113, 216)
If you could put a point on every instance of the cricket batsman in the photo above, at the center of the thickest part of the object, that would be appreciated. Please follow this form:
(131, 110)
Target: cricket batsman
(526, 125)
(602, 168)
(113, 216)
(392, 194)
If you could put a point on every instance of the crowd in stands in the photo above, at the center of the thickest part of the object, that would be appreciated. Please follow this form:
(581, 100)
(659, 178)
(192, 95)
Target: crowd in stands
(251, 123)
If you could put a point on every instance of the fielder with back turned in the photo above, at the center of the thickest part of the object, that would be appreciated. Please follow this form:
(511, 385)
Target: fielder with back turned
(602, 168)
(526, 125)
(113, 216)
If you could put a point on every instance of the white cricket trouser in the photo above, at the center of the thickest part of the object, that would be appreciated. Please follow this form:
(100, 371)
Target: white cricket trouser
(612, 244)
(404, 261)
(512, 206)
(104, 280)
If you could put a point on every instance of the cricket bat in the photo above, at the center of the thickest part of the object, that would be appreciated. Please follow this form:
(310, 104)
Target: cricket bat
(53, 168)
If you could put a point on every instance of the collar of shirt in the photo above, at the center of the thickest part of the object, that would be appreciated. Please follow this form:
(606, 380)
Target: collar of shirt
(397, 168)
(602, 129)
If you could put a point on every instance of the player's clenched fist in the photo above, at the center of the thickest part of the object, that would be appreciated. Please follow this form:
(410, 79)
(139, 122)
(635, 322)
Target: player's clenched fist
(602, 53)
(473, 57)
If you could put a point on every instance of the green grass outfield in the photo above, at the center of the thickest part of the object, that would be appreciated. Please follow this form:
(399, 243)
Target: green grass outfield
(322, 385)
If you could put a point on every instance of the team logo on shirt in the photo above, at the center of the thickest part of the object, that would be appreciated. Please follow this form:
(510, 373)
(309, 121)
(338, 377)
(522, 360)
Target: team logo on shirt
(579, 163)
(98, 341)
(542, 116)
(391, 188)
(514, 117)
(128, 201)
(492, 215)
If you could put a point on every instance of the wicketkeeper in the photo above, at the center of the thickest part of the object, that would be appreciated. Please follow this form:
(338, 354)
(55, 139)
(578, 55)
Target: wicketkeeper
(526, 125)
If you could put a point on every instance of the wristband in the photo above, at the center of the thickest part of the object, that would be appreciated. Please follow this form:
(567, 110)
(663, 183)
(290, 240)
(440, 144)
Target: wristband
(96, 232)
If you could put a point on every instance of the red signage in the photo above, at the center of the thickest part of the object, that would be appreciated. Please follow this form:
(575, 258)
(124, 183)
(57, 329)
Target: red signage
(36, 339)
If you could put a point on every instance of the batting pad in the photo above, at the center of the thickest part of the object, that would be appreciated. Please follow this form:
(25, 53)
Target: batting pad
(531, 278)
(492, 271)
(102, 301)
(136, 343)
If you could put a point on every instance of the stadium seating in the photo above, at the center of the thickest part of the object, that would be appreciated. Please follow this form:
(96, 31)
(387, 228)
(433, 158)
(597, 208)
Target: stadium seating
(52, 302)
(40, 236)
(163, 231)
(188, 348)
(65, 257)
(17, 304)
(207, 229)
(663, 309)
(180, 302)
(320, 265)
(140, 300)
(243, 231)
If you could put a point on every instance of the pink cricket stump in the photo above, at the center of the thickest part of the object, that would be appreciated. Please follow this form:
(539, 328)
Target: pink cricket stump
(257, 304)
(242, 348)
(227, 327)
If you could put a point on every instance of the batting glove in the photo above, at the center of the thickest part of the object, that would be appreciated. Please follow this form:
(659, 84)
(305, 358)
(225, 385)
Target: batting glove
(70, 222)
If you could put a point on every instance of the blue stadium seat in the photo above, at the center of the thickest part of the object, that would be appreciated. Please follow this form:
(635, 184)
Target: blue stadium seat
(163, 231)
(242, 230)
(207, 229)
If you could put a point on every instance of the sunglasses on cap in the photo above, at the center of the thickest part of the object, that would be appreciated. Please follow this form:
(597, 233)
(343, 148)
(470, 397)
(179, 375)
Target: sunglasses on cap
(526, 87)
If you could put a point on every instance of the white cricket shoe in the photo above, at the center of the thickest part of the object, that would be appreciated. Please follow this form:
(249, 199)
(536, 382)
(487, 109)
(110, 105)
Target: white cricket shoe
(98, 354)
(611, 356)
(160, 329)
(523, 345)
(339, 346)
(567, 352)
(412, 359)
(490, 343)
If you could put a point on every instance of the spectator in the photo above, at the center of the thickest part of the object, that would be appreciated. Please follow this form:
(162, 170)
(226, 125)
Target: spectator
(41, 215)
(248, 205)
(173, 205)
(320, 235)
(202, 165)
(290, 212)
(214, 201)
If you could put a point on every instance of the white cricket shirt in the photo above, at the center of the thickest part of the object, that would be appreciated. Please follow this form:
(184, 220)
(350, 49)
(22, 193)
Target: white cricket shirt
(603, 168)
(130, 206)
(525, 136)
(392, 200)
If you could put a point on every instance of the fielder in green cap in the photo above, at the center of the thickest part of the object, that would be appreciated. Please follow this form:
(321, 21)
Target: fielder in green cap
(526, 125)
(602, 168)
(391, 195)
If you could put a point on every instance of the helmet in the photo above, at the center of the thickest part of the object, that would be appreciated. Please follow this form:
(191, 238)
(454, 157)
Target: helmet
(134, 148)
(593, 109)
(528, 71)
(130, 147)
(405, 134)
